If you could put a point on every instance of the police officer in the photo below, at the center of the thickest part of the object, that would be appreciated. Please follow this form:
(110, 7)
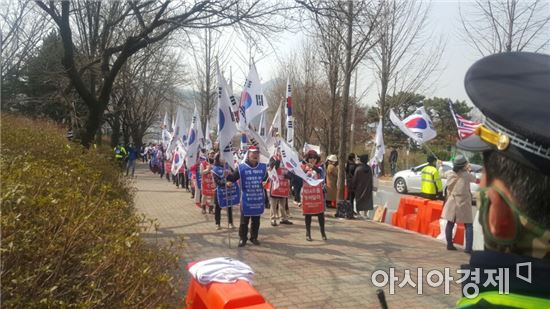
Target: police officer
(431, 186)
(512, 90)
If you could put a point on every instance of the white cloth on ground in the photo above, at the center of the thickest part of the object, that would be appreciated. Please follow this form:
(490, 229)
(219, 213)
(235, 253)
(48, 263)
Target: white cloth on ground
(223, 269)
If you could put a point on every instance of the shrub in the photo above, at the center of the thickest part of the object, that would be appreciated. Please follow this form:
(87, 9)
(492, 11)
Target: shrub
(70, 237)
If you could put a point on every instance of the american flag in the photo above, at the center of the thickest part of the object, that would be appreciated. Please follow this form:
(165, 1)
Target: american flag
(465, 127)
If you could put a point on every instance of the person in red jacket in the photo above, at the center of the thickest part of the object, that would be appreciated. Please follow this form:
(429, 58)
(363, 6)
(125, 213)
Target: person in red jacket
(208, 186)
(313, 197)
(278, 197)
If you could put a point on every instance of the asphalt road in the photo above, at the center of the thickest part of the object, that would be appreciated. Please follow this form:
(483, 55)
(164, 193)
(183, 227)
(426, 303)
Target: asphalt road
(386, 195)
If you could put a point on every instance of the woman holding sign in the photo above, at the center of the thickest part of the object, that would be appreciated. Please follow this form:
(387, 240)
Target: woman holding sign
(226, 196)
(313, 197)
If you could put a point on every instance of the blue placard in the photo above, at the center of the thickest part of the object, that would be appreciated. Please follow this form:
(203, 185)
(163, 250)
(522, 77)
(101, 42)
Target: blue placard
(229, 197)
(253, 199)
(226, 196)
(198, 177)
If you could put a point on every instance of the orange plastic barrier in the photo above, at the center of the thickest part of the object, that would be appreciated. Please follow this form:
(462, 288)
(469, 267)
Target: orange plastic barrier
(422, 216)
(433, 229)
(459, 234)
(224, 296)
(432, 213)
(409, 212)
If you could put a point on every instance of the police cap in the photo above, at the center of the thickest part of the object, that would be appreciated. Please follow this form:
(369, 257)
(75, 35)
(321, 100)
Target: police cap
(512, 90)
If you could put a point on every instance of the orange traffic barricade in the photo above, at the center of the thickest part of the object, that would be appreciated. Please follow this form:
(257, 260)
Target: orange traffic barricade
(431, 213)
(409, 212)
(459, 234)
(216, 295)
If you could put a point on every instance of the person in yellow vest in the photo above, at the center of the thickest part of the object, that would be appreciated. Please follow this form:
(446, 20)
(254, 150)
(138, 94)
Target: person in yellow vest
(120, 154)
(431, 186)
(512, 91)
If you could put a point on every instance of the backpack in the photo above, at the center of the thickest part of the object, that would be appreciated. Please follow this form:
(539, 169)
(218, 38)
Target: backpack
(344, 209)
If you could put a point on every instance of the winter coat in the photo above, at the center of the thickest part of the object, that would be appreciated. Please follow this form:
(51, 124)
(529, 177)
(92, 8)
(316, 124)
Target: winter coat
(362, 185)
(332, 178)
(458, 207)
(350, 170)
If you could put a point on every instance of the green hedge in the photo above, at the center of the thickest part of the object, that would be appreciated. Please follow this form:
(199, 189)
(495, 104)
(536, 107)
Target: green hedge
(70, 237)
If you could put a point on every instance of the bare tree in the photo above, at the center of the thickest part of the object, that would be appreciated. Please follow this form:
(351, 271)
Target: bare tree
(310, 96)
(507, 25)
(155, 85)
(127, 27)
(399, 63)
(329, 34)
(205, 82)
(360, 20)
(23, 27)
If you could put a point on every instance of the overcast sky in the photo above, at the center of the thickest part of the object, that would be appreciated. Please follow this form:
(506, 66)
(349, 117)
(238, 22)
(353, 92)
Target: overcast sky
(444, 20)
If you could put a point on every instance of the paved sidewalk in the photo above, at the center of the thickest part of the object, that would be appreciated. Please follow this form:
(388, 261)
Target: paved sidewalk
(294, 273)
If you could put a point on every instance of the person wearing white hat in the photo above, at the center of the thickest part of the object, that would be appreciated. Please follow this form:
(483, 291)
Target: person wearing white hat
(332, 179)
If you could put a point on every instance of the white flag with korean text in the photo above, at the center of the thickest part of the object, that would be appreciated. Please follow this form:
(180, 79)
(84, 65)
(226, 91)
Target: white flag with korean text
(227, 123)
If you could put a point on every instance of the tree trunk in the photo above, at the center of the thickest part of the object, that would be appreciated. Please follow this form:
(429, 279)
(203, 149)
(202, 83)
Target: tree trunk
(93, 123)
(345, 105)
(115, 134)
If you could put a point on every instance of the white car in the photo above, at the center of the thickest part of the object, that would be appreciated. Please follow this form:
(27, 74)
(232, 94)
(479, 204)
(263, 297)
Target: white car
(409, 181)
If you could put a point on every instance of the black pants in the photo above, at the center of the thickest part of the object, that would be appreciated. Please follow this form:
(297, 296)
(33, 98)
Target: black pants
(297, 190)
(351, 197)
(469, 231)
(321, 218)
(254, 227)
(218, 213)
(185, 181)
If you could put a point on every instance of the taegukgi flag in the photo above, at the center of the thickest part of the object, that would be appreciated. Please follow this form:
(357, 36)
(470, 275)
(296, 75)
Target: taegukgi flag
(179, 130)
(177, 159)
(255, 139)
(166, 136)
(292, 163)
(194, 137)
(227, 123)
(253, 101)
(417, 126)
(289, 117)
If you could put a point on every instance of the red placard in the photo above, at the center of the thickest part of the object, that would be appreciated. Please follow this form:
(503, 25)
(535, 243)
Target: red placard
(284, 185)
(313, 199)
(208, 186)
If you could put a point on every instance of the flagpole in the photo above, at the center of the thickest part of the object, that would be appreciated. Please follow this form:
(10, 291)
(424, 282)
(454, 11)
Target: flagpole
(430, 151)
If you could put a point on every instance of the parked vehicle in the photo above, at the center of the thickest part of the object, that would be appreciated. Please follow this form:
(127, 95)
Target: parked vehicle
(409, 181)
